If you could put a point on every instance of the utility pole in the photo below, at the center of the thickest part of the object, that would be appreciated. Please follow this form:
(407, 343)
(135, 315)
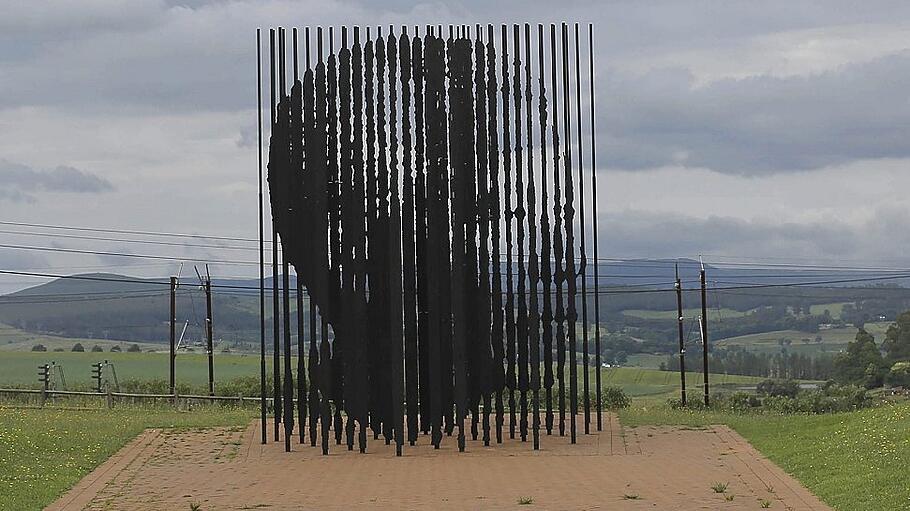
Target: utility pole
(682, 345)
(703, 323)
(173, 320)
(210, 347)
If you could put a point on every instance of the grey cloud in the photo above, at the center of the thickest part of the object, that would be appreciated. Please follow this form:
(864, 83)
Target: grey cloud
(644, 234)
(20, 181)
(758, 125)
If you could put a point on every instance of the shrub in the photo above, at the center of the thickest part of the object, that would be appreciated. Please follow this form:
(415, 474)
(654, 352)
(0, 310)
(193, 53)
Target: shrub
(614, 398)
(97, 349)
(740, 401)
(115, 349)
(134, 348)
(79, 347)
(39, 347)
(899, 375)
(773, 387)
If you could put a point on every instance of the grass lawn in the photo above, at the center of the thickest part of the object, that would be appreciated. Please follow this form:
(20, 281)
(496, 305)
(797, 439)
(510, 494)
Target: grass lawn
(853, 461)
(44, 452)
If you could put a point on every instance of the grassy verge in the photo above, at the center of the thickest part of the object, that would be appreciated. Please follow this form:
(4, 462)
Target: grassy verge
(853, 461)
(44, 452)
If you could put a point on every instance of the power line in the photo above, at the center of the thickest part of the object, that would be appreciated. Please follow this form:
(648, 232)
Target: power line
(128, 231)
(126, 240)
(122, 254)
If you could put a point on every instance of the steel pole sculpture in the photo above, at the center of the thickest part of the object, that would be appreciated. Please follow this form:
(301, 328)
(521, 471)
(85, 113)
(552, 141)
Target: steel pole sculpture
(498, 368)
(276, 318)
(597, 355)
(533, 268)
(546, 271)
(559, 271)
(392, 167)
(569, 225)
(582, 246)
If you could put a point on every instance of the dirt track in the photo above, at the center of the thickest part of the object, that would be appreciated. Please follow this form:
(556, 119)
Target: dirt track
(621, 468)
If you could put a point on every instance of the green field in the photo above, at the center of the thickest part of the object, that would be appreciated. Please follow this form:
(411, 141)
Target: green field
(688, 313)
(13, 339)
(646, 360)
(854, 461)
(833, 340)
(835, 309)
(21, 368)
(638, 382)
(44, 452)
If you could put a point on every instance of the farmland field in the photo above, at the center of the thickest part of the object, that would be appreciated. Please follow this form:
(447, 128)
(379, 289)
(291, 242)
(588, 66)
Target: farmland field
(13, 339)
(833, 340)
(671, 314)
(835, 309)
(853, 461)
(20, 368)
(44, 452)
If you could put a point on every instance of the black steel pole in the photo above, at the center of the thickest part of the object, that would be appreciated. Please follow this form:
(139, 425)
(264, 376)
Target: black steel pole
(288, 390)
(682, 345)
(704, 330)
(546, 273)
(597, 361)
(173, 336)
(559, 271)
(276, 318)
(569, 226)
(586, 378)
(301, 366)
(210, 347)
(533, 261)
(511, 378)
(262, 407)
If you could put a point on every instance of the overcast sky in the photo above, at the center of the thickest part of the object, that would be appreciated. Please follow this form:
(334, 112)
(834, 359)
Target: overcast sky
(736, 129)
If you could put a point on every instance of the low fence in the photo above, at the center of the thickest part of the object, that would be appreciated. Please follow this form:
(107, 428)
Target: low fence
(113, 397)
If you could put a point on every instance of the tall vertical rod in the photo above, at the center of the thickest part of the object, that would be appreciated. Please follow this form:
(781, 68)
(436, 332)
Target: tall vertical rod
(682, 342)
(584, 257)
(569, 226)
(597, 361)
(546, 274)
(276, 361)
(301, 366)
(520, 218)
(507, 193)
(704, 329)
(559, 273)
(288, 391)
(173, 335)
(262, 407)
(210, 346)
(533, 261)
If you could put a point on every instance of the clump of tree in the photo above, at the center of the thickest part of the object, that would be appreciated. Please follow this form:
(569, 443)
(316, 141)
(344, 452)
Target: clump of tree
(78, 347)
(897, 339)
(782, 396)
(97, 349)
(899, 375)
(862, 363)
(115, 349)
(134, 348)
(777, 388)
(39, 347)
